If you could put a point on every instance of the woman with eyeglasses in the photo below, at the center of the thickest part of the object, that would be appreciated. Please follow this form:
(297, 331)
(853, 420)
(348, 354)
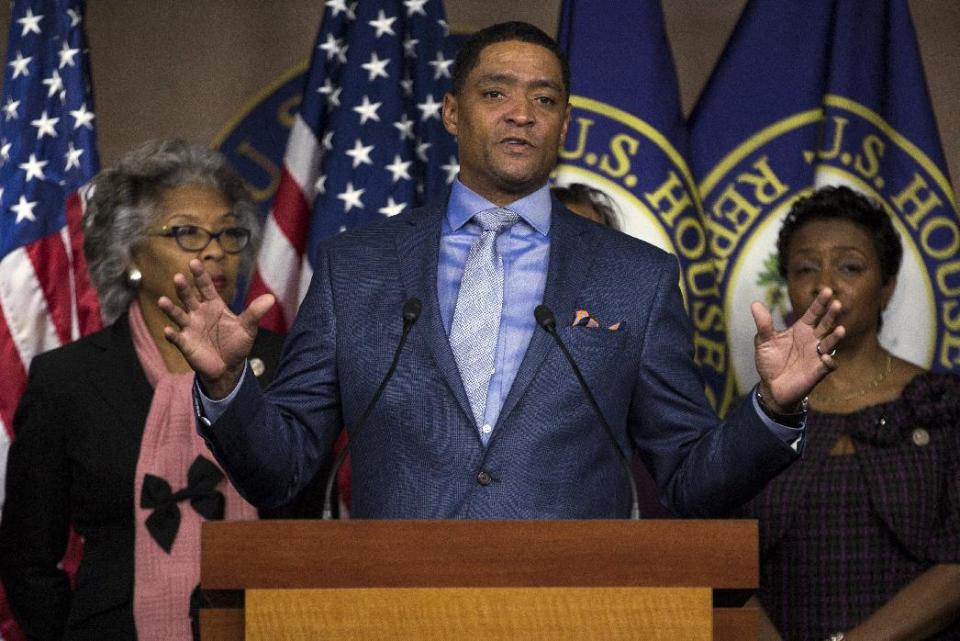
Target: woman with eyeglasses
(106, 443)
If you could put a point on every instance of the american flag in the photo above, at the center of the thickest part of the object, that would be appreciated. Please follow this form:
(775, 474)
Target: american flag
(47, 152)
(368, 141)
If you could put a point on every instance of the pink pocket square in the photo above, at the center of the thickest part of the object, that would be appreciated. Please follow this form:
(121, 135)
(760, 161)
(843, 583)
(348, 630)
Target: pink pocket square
(583, 318)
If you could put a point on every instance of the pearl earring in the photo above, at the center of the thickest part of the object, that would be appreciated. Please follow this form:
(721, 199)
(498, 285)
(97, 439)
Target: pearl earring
(134, 277)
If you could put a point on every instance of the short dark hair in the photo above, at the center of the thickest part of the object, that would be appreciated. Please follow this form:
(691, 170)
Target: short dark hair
(845, 204)
(469, 54)
(581, 194)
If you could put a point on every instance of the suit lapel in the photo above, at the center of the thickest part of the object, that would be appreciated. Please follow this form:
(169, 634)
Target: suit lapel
(418, 251)
(118, 377)
(571, 252)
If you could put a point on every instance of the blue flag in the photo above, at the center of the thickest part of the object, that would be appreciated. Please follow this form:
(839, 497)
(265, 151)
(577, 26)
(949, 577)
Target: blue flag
(627, 137)
(827, 92)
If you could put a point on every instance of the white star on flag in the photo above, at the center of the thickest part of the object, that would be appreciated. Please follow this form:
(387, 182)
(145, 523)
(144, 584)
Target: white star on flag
(392, 208)
(66, 55)
(332, 46)
(383, 24)
(429, 109)
(405, 127)
(441, 66)
(422, 148)
(24, 210)
(399, 168)
(326, 88)
(410, 47)
(337, 6)
(72, 157)
(10, 109)
(452, 168)
(333, 100)
(55, 84)
(377, 68)
(5, 152)
(415, 6)
(351, 197)
(328, 140)
(360, 154)
(19, 65)
(321, 185)
(34, 168)
(368, 110)
(82, 117)
(30, 22)
(45, 125)
(74, 17)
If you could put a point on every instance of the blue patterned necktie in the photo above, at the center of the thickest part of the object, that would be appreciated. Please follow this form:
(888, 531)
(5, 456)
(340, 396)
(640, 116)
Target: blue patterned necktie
(476, 318)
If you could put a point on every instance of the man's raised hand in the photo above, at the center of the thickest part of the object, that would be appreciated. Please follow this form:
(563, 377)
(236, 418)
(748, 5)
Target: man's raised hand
(791, 362)
(214, 340)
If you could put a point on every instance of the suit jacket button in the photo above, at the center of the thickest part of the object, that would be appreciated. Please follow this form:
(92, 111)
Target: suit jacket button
(484, 478)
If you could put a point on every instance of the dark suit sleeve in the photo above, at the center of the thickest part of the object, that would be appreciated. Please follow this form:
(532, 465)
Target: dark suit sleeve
(35, 525)
(273, 444)
(702, 468)
(308, 504)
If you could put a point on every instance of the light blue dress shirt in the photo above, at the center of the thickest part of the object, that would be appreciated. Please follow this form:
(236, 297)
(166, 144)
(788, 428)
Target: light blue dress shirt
(525, 251)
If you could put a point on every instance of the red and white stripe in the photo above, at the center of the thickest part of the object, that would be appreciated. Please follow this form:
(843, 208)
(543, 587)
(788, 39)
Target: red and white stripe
(282, 266)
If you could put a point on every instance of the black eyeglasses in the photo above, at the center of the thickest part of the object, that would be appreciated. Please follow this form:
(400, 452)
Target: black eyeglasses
(193, 239)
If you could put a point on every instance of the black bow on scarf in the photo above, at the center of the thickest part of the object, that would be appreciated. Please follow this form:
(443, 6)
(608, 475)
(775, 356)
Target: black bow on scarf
(202, 479)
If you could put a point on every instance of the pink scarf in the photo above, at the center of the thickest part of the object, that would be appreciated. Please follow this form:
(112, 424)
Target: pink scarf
(164, 581)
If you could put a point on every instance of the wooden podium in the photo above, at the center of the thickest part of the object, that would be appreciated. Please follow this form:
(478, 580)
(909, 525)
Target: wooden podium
(489, 580)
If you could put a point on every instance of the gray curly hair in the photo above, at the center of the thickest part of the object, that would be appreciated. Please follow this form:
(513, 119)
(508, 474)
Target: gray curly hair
(122, 202)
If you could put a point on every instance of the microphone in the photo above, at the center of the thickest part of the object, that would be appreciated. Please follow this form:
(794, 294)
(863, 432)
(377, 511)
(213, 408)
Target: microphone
(548, 322)
(411, 312)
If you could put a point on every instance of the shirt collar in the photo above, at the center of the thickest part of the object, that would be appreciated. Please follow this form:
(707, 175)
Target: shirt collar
(534, 208)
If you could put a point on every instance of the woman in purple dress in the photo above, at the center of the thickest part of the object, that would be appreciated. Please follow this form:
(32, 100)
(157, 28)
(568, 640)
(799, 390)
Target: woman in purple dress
(860, 539)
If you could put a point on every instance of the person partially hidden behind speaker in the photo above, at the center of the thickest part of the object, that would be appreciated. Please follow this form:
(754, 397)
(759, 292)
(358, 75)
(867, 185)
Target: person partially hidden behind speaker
(484, 416)
(861, 538)
(106, 443)
(587, 201)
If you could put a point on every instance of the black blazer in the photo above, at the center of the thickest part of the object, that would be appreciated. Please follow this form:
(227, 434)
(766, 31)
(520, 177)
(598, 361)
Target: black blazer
(78, 431)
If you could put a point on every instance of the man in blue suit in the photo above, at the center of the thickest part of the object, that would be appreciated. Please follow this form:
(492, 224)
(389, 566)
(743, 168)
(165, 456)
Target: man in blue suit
(484, 417)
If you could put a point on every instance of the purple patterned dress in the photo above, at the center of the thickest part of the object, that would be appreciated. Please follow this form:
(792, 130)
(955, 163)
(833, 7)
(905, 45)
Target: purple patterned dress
(840, 535)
